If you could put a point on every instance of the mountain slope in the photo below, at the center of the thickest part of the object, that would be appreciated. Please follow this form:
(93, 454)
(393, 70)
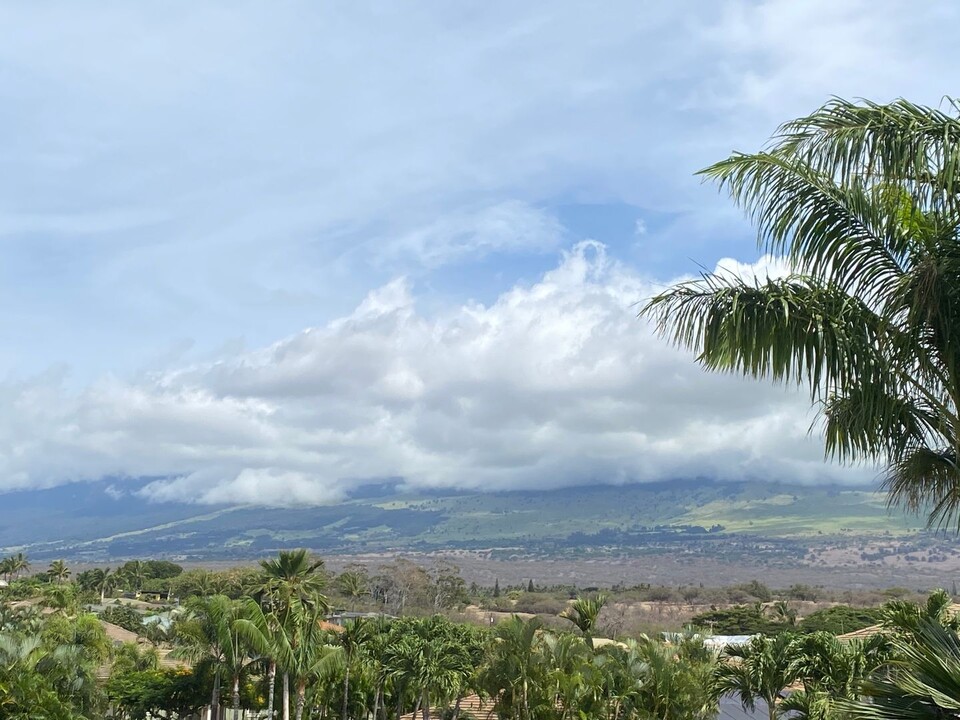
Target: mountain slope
(93, 521)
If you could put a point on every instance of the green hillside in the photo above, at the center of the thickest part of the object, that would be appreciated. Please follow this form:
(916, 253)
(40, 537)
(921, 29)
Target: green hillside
(633, 515)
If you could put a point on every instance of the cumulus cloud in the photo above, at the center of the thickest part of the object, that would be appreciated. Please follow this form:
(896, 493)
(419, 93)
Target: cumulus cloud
(192, 180)
(554, 383)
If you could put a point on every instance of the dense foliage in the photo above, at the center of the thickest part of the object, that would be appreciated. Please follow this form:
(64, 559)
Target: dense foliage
(270, 648)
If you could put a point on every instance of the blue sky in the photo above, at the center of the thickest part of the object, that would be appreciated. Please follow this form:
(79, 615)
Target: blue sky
(190, 189)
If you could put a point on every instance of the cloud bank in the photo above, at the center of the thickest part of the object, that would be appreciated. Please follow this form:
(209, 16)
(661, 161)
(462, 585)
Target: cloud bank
(555, 383)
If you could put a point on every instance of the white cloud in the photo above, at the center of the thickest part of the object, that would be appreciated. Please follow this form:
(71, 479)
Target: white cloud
(555, 383)
(189, 180)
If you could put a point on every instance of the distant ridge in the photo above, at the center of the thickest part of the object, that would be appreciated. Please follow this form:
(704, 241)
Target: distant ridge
(93, 521)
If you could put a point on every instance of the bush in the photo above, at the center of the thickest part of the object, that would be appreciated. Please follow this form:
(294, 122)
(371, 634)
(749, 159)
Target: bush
(801, 592)
(123, 616)
(739, 620)
(539, 603)
(840, 619)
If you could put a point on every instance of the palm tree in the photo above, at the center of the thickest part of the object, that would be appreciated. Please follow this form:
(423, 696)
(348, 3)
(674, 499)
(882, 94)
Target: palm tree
(831, 672)
(373, 654)
(18, 564)
(104, 583)
(514, 668)
(350, 641)
(442, 661)
(572, 674)
(583, 612)
(261, 631)
(293, 576)
(292, 582)
(761, 668)
(31, 675)
(907, 617)
(400, 660)
(135, 572)
(864, 202)
(304, 651)
(922, 682)
(674, 680)
(62, 598)
(354, 584)
(58, 571)
(211, 631)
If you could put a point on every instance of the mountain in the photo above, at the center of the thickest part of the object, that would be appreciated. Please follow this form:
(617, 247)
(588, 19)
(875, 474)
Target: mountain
(95, 521)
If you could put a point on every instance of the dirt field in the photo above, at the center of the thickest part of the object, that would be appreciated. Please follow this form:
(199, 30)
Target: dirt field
(831, 567)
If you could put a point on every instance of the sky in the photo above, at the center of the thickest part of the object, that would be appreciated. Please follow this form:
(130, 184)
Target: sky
(268, 252)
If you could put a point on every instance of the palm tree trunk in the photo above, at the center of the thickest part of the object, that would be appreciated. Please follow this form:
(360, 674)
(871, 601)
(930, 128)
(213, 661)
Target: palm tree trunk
(286, 696)
(301, 696)
(215, 697)
(376, 702)
(526, 703)
(456, 707)
(236, 697)
(425, 701)
(400, 694)
(272, 676)
(346, 689)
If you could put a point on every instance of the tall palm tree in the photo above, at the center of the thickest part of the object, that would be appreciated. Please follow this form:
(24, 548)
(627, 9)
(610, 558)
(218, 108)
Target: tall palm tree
(374, 653)
(864, 202)
(304, 650)
(212, 631)
(18, 564)
(293, 576)
(104, 583)
(135, 572)
(584, 612)
(292, 583)
(350, 641)
(59, 571)
(760, 669)
(400, 659)
(260, 630)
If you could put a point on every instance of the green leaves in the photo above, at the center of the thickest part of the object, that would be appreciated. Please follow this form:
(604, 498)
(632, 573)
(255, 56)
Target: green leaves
(863, 202)
(583, 612)
(922, 683)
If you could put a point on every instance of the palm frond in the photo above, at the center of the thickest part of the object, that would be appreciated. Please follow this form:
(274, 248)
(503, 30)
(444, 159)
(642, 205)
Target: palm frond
(923, 477)
(792, 329)
(900, 141)
(874, 417)
(831, 232)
